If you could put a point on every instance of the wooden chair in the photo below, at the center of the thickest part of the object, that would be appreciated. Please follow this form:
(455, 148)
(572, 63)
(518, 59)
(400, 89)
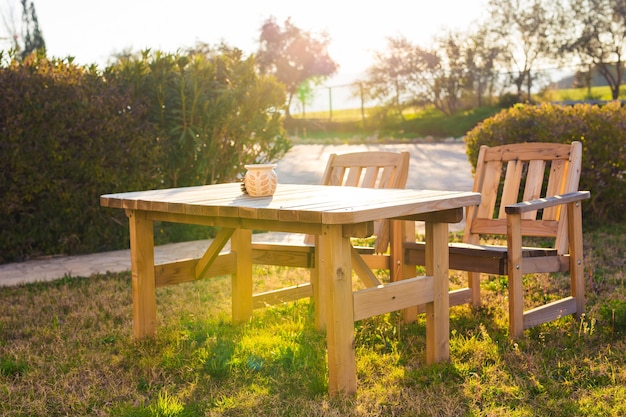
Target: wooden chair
(527, 189)
(357, 169)
(370, 170)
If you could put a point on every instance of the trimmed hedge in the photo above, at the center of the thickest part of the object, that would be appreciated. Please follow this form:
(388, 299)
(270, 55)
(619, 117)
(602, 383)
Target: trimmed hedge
(601, 129)
(66, 137)
(69, 134)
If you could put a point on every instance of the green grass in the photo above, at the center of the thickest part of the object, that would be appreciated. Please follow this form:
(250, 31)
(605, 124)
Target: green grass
(66, 349)
(579, 94)
(419, 124)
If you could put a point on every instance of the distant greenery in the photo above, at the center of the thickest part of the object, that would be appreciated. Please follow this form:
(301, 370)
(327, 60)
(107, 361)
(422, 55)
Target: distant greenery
(348, 125)
(369, 125)
(578, 94)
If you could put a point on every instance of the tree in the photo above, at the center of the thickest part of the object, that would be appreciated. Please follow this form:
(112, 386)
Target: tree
(26, 37)
(449, 74)
(395, 79)
(305, 94)
(597, 36)
(481, 60)
(405, 75)
(293, 55)
(33, 38)
(525, 28)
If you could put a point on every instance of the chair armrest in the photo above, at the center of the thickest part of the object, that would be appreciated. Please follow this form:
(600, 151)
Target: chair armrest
(540, 203)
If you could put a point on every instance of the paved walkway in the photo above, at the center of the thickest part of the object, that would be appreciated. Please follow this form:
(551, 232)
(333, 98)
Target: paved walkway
(436, 166)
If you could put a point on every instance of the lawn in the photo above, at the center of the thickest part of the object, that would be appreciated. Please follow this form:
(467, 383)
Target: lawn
(66, 349)
(418, 123)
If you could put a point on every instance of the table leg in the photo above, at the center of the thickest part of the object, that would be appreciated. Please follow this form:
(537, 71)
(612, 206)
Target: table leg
(438, 312)
(319, 288)
(143, 281)
(336, 270)
(402, 231)
(241, 245)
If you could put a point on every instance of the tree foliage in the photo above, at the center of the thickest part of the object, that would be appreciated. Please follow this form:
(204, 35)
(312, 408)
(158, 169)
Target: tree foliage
(482, 54)
(450, 77)
(293, 55)
(454, 69)
(525, 27)
(465, 69)
(398, 78)
(596, 34)
(33, 37)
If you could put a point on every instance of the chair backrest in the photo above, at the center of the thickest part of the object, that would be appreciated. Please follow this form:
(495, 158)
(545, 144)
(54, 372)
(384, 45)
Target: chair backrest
(509, 174)
(370, 170)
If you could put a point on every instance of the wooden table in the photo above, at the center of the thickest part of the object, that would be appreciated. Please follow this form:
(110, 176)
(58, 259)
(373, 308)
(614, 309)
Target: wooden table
(333, 214)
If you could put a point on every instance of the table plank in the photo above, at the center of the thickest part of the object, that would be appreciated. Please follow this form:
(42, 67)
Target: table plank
(293, 202)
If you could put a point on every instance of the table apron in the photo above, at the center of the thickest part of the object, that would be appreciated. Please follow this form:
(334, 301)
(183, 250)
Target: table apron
(445, 216)
(363, 229)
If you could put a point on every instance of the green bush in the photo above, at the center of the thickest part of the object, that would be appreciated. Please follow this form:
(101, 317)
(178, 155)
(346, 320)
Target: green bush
(214, 114)
(66, 137)
(601, 129)
(69, 134)
(213, 111)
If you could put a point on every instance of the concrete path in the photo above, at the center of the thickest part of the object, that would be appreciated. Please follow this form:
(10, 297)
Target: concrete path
(436, 166)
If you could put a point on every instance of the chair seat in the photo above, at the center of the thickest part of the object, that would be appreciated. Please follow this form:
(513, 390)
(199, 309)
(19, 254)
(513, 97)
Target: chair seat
(476, 258)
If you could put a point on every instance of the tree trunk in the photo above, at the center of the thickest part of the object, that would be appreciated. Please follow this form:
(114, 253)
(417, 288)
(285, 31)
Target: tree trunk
(612, 81)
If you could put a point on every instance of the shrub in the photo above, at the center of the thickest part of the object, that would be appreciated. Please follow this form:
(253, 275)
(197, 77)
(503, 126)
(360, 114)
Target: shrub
(69, 134)
(214, 114)
(66, 137)
(213, 111)
(601, 129)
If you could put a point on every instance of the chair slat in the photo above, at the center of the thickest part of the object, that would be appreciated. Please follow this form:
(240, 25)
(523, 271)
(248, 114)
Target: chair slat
(540, 228)
(370, 177)
(336, 176)
(489, 189)
(534, 183)
(571, 184)
(354, 176)
(512, 180)
(556, 182)
(386, 177)
(528, 152)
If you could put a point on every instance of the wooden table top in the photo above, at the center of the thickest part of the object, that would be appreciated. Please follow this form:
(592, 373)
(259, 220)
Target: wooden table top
(293, 202)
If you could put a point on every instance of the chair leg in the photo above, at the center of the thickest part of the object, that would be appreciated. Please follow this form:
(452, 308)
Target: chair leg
(473, 282)
(319, 302)
(514, 269)
(576, 268)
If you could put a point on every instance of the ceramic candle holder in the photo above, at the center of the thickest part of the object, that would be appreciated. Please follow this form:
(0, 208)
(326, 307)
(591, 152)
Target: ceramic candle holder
(260, 180)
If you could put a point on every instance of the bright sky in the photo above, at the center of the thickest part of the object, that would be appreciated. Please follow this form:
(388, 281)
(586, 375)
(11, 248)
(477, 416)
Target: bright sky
(92, 30)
